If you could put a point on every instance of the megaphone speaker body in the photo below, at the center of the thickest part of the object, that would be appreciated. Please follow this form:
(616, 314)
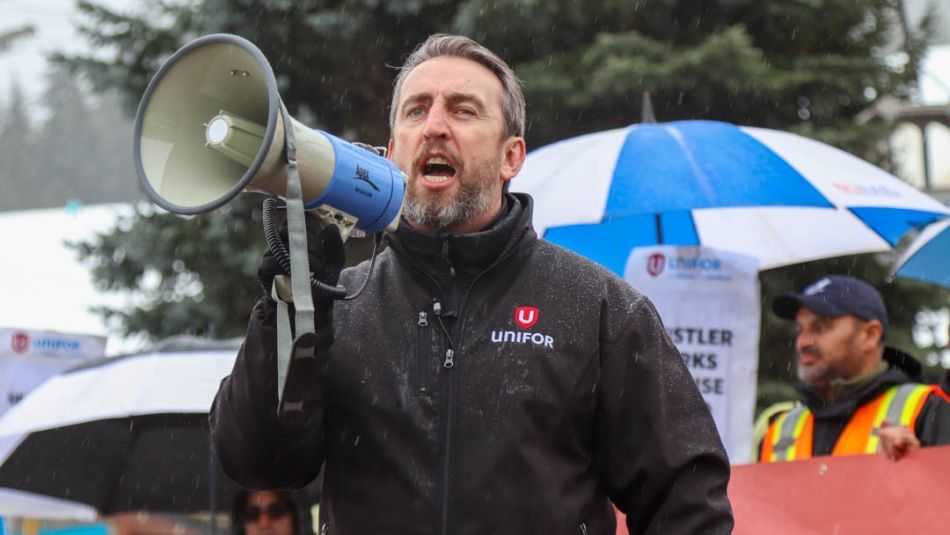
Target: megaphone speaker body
(209, 126)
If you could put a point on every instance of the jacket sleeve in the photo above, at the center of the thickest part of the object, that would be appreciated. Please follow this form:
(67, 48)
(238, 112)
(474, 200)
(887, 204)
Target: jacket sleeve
(657, 444)
(933, 422)
(254, 446)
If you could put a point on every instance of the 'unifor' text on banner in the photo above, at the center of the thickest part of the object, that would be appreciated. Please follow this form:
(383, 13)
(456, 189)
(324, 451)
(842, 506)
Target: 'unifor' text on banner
(30, 356)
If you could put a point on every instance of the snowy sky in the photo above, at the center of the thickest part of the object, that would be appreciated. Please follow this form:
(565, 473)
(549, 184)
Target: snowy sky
(54, 22)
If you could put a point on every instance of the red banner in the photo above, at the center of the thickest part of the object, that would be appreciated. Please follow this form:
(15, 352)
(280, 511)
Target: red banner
(862, 494)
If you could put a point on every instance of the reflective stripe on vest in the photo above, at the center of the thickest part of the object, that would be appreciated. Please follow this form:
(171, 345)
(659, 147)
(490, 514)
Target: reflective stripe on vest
(790, 435)
(899, 405)
(789, 427)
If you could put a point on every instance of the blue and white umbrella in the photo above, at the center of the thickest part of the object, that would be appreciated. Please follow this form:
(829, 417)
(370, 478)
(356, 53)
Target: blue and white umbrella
(927, 258)
(776, 196)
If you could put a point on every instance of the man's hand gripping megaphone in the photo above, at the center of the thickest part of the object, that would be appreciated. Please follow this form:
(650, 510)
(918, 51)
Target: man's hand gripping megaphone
(326, 255)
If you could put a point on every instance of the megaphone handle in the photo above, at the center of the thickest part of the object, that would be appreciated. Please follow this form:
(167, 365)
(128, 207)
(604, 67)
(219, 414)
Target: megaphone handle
(276, 246)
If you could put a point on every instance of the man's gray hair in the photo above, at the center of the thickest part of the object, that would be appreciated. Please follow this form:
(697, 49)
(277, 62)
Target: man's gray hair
(512, 101)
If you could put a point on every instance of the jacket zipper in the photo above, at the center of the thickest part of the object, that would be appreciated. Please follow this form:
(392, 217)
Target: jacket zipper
(448, 412)
(423, 340)
(450, 352)
(449, 364)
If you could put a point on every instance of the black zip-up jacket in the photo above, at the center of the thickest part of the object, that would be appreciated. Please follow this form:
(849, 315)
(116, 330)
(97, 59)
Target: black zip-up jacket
(442, 410)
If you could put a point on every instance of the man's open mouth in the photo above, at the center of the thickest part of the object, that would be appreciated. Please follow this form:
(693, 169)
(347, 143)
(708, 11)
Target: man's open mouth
(437, 169)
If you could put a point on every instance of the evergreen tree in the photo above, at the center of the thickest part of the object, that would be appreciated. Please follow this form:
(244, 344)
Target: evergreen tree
(64, 141)
(18, 172)
(187, 276)
(333, 59)
(110, 143)
(801, 66)
(66, 147)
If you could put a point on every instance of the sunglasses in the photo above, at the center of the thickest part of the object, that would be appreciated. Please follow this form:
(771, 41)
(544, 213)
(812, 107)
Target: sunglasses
(273, 511)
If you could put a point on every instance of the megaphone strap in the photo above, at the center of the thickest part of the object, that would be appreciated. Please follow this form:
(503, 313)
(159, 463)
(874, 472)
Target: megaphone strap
(284, 346)
(299, 261)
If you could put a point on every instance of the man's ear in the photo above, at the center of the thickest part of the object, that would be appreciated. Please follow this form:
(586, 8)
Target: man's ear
(512, 157)
(389, 149)
(873, 332)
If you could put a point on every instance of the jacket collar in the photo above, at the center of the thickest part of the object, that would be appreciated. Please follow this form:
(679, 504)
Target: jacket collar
(468, 254)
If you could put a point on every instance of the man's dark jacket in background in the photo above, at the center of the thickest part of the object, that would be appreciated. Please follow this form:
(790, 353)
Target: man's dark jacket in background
(447, 407)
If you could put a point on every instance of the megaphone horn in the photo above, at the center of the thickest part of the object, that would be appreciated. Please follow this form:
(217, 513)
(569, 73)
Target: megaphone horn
(210, 126)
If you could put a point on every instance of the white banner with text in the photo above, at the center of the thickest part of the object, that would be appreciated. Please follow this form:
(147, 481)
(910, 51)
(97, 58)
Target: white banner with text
(28, 357)
(710, 305)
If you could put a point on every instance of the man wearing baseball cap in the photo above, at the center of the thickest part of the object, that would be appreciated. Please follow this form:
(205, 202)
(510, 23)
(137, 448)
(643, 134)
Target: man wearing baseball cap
(858, 396)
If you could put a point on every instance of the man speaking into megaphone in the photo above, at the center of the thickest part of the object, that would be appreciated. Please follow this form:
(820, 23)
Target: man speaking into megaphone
(486, 381)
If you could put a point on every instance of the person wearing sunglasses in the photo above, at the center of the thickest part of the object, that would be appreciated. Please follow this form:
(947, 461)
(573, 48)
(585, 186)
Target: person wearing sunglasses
(265, 512)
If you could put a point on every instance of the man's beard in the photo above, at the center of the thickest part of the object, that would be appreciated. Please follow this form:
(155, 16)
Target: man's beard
(819, 374)
(475, 194)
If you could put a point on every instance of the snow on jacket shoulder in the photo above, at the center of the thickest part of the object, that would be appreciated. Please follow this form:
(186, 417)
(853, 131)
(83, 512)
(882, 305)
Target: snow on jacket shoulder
(518, 397)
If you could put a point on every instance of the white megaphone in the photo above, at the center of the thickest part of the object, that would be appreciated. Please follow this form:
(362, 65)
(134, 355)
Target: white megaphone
(211, 124)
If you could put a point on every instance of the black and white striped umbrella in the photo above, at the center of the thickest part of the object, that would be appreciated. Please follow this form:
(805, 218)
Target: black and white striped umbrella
(120, 434)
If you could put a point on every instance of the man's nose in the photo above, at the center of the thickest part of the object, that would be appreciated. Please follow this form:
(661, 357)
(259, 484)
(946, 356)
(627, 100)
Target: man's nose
(436, 124)
(803, 340)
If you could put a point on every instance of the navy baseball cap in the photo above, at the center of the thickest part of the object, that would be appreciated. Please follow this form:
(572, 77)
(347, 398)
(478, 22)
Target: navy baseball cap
(833, 296)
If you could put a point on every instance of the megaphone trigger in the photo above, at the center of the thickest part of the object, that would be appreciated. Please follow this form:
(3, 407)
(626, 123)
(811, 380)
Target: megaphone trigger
(276, 242)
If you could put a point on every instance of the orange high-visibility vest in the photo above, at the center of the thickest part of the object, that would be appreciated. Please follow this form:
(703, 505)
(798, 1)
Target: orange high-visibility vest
(789, 437)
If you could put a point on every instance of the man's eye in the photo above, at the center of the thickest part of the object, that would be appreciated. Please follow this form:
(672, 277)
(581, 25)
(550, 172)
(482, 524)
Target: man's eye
(414, 112)
(465, 111)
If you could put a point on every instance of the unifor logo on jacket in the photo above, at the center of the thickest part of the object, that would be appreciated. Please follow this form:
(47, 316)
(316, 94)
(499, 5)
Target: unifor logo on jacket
(525, 317)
